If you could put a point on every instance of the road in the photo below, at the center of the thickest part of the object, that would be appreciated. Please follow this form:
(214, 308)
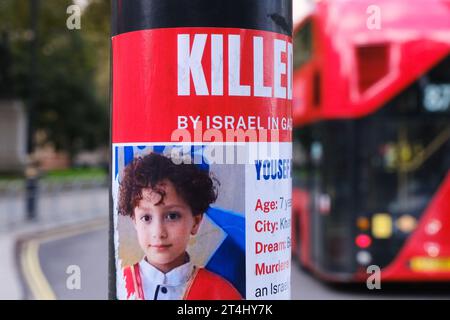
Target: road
(46, 257)
(52, 260)
(307, 287)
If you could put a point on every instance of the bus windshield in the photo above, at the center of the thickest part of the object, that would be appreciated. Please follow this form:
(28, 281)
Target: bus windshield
(389, 163)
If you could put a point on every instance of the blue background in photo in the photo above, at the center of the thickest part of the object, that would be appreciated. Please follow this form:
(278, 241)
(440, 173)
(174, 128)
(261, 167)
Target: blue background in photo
(229, 258)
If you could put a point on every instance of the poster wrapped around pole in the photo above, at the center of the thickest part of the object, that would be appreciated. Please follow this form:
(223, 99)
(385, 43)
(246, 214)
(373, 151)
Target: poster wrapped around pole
(201, 149)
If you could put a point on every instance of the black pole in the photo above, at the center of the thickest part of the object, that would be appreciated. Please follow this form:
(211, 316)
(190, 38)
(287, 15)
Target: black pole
(273, 16)
(34, 14)
(112, 295)
(267, 15)
(31, 173)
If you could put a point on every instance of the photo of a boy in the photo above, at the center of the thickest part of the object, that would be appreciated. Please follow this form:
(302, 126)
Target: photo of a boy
(166, 202)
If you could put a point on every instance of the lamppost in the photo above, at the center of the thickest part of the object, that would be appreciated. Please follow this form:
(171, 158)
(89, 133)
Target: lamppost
(201, 59)
(31, 173)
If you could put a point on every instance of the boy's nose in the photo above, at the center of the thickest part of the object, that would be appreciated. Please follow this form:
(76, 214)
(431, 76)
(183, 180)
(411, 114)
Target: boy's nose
(159, 230)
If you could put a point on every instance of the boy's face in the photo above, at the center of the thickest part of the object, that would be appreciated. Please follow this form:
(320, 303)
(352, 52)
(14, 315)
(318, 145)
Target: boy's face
(164, 229)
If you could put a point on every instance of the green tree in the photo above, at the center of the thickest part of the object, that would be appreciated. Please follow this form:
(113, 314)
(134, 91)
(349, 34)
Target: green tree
(72, 70)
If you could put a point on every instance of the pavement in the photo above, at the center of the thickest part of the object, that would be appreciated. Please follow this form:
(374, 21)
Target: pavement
(95, 210)
(9, 276)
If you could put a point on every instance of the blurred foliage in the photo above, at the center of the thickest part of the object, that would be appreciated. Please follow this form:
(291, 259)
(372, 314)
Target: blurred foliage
(63, 175)
(72, 70)
(76, 174)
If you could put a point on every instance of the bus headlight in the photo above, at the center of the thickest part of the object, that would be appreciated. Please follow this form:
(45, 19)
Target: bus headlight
(363, 258)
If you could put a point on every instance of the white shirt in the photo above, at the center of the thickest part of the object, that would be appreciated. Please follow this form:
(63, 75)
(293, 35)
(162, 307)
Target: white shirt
(165, 286)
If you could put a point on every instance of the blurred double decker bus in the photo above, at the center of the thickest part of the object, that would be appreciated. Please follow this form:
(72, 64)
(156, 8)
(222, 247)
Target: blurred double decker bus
(371, 114)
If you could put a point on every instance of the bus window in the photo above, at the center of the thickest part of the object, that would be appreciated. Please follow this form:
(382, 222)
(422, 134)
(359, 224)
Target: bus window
(435, 89)
(327, 173)
(373, 64)
(404, 152)
(302, 161)
(303, 45)
(332, 185)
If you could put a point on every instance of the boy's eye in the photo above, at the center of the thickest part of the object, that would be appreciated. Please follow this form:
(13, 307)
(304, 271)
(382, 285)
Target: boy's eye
(171, 216)
(146, 218)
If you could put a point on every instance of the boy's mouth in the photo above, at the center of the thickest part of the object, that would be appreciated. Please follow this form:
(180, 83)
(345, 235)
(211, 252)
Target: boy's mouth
(160, 246)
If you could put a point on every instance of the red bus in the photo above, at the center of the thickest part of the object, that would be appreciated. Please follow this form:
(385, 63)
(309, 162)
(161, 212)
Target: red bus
(371, 157)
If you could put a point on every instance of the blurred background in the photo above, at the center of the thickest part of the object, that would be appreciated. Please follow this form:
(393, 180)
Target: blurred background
(371, 149)
(54, 153)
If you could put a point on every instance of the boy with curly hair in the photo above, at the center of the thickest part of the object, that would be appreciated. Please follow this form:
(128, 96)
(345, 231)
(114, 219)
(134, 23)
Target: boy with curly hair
(166, 202)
